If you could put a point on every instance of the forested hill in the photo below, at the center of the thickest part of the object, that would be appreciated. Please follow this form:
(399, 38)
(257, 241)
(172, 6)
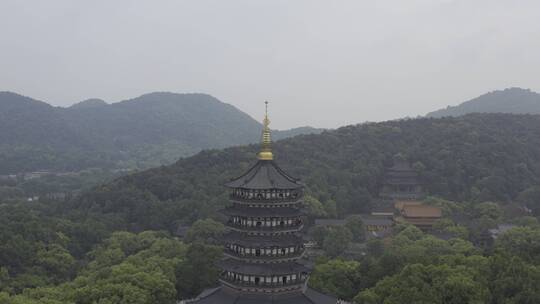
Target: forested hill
(149, 130)
(512, 100)
(477, 157)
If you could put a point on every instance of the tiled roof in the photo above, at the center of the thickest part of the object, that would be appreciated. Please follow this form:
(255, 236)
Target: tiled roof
(224, 295)
(421, 211)
(265, 174)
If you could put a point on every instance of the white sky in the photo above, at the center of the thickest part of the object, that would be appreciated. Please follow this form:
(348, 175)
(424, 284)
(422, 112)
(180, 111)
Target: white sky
(320, 63)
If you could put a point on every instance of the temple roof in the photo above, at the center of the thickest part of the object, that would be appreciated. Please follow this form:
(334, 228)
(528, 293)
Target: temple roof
(401, 173)
(265, 174)
(262, 269)
(243, 239)
(222, 295)
(263, 212)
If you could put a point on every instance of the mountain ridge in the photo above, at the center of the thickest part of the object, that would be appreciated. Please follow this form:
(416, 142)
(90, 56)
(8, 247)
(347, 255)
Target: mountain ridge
(511, 100)
(150, 130)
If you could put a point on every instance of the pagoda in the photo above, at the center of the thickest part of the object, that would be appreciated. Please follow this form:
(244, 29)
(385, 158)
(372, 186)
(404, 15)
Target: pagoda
(401, 182)
(263, 246)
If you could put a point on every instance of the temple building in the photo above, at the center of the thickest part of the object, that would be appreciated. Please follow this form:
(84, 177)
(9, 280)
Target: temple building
(401, 182)
(263, 247)
(422, 216)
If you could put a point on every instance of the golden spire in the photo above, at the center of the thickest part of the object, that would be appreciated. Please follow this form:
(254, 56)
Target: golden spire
(266, 144)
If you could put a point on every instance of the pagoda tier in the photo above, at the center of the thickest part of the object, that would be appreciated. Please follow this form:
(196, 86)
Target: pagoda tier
(401, 183)
(261, 241)
(262, 247)
(264, 219)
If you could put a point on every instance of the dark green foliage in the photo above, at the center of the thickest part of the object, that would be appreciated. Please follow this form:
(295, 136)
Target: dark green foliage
(512, 100)
(530, 197)
(356, 227)
(150, 130)
(472, 158)
(198, 271)
(205, 231)
(337, 240)
(415, 267)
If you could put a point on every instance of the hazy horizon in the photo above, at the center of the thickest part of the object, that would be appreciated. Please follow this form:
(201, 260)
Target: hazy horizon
(319, 63)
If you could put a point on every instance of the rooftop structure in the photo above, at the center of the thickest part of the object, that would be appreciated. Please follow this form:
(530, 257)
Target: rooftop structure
(422, 216)
(263, 247)
(401, 182)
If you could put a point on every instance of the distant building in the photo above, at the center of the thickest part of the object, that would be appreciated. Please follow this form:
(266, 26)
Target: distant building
(374, 225)
(422, 216)
(330, 222)
(377, 223)
(501, 228)
(401, 182)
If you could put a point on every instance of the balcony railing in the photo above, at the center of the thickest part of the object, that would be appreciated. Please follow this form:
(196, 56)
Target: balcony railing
(262, 284)
(264, 258)
(292, 228)
(265, 200)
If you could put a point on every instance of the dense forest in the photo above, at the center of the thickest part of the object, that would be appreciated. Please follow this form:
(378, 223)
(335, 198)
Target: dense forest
(511, 100)
(115, 243)
(478, 157)
(150, 130)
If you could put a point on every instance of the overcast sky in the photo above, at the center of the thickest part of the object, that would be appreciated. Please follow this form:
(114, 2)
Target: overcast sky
(320, 63)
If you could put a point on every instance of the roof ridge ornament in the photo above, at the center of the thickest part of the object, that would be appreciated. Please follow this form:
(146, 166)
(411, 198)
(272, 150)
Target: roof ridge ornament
(266, 141)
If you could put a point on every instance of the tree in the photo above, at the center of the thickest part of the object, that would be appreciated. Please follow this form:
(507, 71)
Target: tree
(206, 231)
(356, 226)
(427, 284)
(530, 197)
(523, 242)
(513, 280)
(337, 240)
(315, 208)
(337, 277)
(57, 261)
(488, 210)
(198, 270)
(318, 234)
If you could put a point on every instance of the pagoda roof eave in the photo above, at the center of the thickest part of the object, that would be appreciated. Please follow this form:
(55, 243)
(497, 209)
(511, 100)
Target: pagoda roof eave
(265, 175)
(243, 239)
(245, 268)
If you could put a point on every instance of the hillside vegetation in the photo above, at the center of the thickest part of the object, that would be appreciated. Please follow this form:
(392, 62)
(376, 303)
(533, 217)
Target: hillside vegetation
(512, 100)
(478, 157)
(150, 130)
(79, 251)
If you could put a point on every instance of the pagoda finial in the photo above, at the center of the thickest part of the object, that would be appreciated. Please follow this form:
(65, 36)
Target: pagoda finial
(266, 143)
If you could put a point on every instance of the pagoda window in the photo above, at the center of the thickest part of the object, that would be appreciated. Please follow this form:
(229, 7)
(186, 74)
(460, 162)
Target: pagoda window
(284, 280)
(258, 252)
(259, 223)
(293, 277)
(274, 251)
(257, 280)
(274, 279)
(283, 251)
(292, 250)
(282, 223)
